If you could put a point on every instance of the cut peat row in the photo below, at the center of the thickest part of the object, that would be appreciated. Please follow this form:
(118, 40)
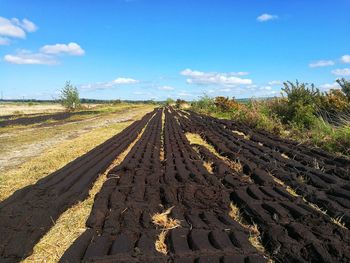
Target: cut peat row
(35, 118)
(327, 188)
(161, 203)
(30, 212)
(121, 227)
(291, 230)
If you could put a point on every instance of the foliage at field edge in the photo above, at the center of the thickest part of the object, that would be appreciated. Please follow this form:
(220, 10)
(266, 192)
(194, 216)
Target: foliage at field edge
(302, 113)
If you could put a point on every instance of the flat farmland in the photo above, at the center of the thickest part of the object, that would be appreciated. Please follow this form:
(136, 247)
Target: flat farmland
(177, 186)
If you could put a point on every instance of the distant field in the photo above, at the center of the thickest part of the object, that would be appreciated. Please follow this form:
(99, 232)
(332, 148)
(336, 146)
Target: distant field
(10, 108)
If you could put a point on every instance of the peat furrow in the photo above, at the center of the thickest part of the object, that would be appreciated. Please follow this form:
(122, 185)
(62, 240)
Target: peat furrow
(291, 230)
(30, 212)
(329, 192)
(306, 155)
(120, 223)
(297, 149)
(119, 226)
(331, 165)
(200, 202)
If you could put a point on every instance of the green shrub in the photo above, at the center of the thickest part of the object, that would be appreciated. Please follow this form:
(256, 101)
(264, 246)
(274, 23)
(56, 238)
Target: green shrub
(205, 104)
(300, 106)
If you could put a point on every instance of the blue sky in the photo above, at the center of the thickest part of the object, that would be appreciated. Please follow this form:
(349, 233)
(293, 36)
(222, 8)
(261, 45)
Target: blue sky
(154, 49)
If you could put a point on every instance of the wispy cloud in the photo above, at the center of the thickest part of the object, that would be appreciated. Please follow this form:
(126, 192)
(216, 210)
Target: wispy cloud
(328, 86)
(167, 88)
(345, 59)
(4, 41)
(266, 17)
(275, 83)
(47, 55)
(321, 63)
(215, 78)
(71, 49)
(24, 57)
(109, 84)
(341, 72)
(15, 28)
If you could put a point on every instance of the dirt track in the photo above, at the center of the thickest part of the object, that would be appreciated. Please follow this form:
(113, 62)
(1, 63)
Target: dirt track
(119, 228)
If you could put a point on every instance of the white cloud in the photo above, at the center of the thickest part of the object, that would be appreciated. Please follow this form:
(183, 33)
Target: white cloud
(72, 49)
(123, 81)
(27, 58)
(345, 59)
(15, 28)
(26, 24)
(109, 84)
(215, 78)
(328, 86)
(341, 72)
(168, 88)
(275, 83)
(46, 56)
(4, 41)
(321, 63)
(266, 17)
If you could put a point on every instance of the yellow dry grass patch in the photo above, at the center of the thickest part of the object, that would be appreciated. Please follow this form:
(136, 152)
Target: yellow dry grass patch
(338, 221)
(284, 156)
(166, 223)
(254, 233)
(160, 244)
(195, 138)
(68, 227)
(26, 108)
(246, 137)
(288, 189)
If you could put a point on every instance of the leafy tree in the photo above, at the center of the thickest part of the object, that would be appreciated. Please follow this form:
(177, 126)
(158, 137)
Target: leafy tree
(70, 96)
(169, 101)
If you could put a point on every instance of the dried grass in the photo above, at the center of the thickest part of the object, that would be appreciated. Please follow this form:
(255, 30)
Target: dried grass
(195, 138)
(163, 220)
(166, 223)
(246, 137)
(160, 244)
(254, 233)
(284, 156)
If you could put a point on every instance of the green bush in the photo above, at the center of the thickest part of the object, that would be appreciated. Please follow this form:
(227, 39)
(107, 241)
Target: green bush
(205, 104)
(300, 106)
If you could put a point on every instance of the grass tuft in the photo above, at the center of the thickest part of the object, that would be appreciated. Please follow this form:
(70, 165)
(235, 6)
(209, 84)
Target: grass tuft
(160, 244)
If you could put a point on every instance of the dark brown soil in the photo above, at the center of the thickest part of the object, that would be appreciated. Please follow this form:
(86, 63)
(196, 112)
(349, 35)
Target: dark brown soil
(120, 228)
(30, 212)
(34, 118)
